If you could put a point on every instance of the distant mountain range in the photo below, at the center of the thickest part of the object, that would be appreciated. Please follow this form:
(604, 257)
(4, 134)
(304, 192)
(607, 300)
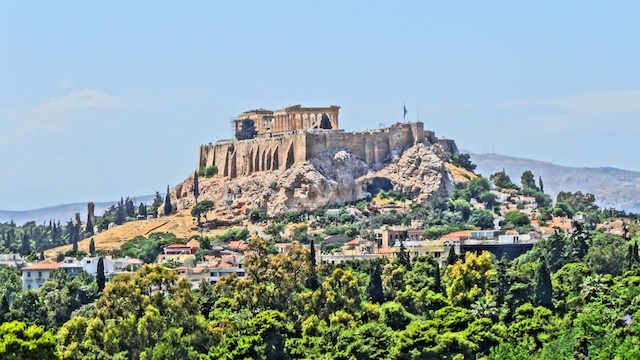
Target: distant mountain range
(63, 212)
(612, 187)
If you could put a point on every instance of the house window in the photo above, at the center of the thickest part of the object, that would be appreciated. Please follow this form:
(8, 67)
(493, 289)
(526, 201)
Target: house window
(39, 273)
(88, 261)
(28, 287)
(28, 273)
(241, 274)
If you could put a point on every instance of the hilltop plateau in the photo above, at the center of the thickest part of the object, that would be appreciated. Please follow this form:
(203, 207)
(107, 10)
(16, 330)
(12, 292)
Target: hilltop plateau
(334, 177)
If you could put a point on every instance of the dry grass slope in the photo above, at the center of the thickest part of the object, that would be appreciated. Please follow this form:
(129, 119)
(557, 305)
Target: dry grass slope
(181, 224)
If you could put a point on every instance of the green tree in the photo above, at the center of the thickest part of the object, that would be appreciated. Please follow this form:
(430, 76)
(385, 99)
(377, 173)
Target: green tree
(167, 203)
(543, 291)
(25, 248)
(89, 226)
(607, 254)
(540, 184)
(502, 180)
(120, 216)
(92, 247)
(247, 130)
(19, 341)
(482, 219)
(100, 277)
(527, 180)
(469, 280)
(463, 161)
(517, 218)
(202, 209)
(374, 290)
(312, 281)
(142, 210)
(477, 186)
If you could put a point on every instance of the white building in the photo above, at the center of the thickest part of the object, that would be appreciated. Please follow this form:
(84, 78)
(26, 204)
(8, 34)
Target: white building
(11, 260)
(34, 275)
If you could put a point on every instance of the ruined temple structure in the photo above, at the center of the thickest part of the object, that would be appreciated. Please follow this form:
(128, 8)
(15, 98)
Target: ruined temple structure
(292, 118)
(291, 136)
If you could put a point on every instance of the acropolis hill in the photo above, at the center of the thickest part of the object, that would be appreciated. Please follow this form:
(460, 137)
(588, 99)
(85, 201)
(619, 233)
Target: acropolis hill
(298, 159)
(294, 135)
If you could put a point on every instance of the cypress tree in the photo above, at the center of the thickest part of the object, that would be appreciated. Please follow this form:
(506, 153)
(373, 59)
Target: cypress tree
(437, 281)
(100, 278)
(92, 247)
(120, 214)
(312, 281)
(129, 208)
(89, 227)
(540, 184)
(543, 289)
(167, 203)
(403, 256)
(26, 247)
(142, 210)
(375, 291)
(5, 239)
(196, 186)
(75, 243)
(452, 257)
(636, 258)
(629, 258)
(4, 309)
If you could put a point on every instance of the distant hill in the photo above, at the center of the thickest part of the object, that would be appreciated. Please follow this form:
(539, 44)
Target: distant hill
(62, 212)
(612, 187)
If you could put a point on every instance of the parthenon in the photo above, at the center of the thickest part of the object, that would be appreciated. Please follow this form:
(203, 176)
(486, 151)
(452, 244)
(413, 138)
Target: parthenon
(288, 119)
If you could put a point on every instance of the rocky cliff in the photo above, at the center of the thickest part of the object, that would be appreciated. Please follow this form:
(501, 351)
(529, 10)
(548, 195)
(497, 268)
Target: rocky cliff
(335, 176)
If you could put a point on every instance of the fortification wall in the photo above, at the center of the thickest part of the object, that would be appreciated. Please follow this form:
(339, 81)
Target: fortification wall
(241, 158)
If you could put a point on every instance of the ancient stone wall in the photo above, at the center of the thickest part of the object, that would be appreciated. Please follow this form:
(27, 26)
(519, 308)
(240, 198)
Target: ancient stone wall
(245, 157)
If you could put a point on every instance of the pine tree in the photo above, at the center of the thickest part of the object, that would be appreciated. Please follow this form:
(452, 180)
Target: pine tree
(543, 289)
(375, 290)
(26, 247)
(92, 247)
(100, 278)
(196, 186)
(167, 203)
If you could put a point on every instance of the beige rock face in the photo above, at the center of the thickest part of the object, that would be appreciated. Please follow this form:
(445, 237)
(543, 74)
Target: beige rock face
(335, 176)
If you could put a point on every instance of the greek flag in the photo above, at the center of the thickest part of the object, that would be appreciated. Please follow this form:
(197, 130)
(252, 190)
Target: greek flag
(405, 111)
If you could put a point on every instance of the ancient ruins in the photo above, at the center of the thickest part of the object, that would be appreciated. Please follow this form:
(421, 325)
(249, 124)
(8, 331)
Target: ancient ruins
(292, 135)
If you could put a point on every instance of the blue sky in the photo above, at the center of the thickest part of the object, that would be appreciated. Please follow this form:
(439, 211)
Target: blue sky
(102, 100)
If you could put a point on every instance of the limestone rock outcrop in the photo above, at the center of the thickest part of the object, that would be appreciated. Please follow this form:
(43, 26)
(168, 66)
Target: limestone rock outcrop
(335, 176)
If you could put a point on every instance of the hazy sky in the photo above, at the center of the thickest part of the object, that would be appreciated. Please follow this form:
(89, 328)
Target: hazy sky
(99, 101)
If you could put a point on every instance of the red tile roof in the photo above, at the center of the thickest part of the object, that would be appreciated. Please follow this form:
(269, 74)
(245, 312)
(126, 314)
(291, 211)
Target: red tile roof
(43, 265)
(458, 235)
(177, 246)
